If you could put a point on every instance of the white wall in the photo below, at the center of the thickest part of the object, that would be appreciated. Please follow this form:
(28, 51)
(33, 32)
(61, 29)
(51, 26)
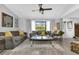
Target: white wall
(25, 25)
(28, 26)
(22, 24)
(68, 33)
(5, 10)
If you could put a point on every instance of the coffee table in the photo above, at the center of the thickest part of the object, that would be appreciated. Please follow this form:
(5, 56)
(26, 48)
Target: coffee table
(41, 38)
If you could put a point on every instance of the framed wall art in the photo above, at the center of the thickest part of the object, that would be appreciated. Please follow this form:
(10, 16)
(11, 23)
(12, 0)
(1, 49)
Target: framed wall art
(69, 25)
(7, 20)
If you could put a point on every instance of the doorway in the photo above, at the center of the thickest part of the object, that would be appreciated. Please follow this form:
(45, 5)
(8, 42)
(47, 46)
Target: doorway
(77, 29)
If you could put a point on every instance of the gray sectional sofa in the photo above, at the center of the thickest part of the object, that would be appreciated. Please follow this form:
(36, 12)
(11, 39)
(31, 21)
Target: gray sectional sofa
(11, 42)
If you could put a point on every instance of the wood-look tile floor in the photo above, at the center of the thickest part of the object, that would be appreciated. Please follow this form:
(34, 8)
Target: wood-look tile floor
(60, 47)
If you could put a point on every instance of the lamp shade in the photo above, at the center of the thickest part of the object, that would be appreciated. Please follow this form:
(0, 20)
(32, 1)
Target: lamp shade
(55, 28)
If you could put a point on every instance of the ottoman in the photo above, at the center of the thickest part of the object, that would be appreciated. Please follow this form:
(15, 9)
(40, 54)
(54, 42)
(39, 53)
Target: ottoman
(75, 46)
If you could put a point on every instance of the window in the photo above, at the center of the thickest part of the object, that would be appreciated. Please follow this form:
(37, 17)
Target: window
(40, 25)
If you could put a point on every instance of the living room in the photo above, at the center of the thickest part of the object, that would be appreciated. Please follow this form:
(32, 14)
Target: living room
(41, 26)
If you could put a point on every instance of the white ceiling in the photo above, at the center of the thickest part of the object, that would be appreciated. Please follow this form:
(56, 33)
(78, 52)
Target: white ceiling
(59, 10)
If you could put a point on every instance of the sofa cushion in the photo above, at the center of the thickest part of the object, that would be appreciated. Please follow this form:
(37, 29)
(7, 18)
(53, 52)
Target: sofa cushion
(2, 33)
(15, 33)
(21, 33)
(8, 34)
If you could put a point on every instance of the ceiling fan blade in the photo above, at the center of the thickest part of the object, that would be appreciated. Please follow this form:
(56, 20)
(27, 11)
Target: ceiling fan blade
(35, 10)
(47, 8)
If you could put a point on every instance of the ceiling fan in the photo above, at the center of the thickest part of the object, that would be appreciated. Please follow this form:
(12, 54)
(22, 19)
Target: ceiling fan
(41, 9)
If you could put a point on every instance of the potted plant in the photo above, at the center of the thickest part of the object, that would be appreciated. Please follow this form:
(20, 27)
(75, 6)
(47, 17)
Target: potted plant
(61, 33)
